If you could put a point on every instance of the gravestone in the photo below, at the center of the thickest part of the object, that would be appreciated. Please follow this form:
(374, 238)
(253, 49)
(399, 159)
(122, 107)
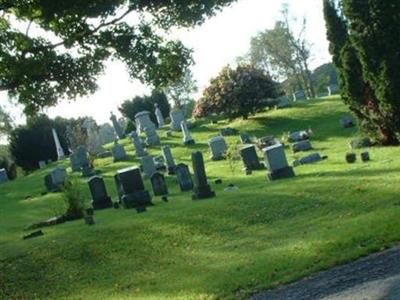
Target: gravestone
(79, 158)
(267, 141)
(159, 185)
(56, 179)
(301, 146)
(87, 171)
(159, 163)
(187, 138)
(228, 131)
(106, 134)
(298, 136)
(166, 150)
(3, 176)
(245, 138)
(218, 148)
(276, 162)
(93, 139)
(148, 166)
(184, 177)
(202, 189)
(351, 158)
(117, 126)
(309, 159)
(176, 119)
(131, 190)
(347, 122)
(250, 158)
(159, 116)
(42, 164)
(299, 95)
(100, 198)
(119, 153)
(59, 149)
(137, 143)
(283, 102)
(145, 124)
(365, 157)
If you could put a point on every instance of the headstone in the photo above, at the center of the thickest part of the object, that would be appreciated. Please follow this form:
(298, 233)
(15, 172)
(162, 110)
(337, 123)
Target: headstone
(276, 162)
(144, 123)
(187, 137)
(351, 158)
(159, 116)
(298, 136)
(301, 146)
(93, 139)
(228, 131)
(309, 159)
(59, 149)
(79, 158)
(87, 171)
(184, 177)
(250, 158)
(218, 148)
(283, 102)
(365, 157)
(131, 190)
(166, 150)
(299, 95)
(333, 89)
(347, 122)
(117, 126)
(56, 179)
(42, 164)
(176, 119)
(3, 176)
(159, 163)
(100, 198)
(159, 185)
(148, 166)
(202, 189)
(137, 143)
(245, 138)
(119, 153)
(106, 134)
(267, 141)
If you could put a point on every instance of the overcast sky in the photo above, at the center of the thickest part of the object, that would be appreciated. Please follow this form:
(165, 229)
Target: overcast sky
(216, 43)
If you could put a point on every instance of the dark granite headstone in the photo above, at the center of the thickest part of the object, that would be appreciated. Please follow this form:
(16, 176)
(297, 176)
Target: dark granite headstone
(100, 198)
(159, 185)
(130, 187)
(301, 146)
(245, 138)
(184, 177)
(228, 131)
(202, 189)
(250, 158)
(351, 158)
(365, 157)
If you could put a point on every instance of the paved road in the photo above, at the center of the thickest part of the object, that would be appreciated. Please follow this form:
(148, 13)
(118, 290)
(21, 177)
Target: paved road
(376, 277)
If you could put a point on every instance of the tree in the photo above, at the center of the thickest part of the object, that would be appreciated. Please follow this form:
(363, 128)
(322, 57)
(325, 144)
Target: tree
(181, 91)
(325, 75)
(238, 92)
(64, 45)
(284, 54)
(368, 70)
(34, 142)
(129, 108)
(6, 122)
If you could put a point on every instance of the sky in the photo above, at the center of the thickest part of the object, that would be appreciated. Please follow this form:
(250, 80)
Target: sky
(216, 43)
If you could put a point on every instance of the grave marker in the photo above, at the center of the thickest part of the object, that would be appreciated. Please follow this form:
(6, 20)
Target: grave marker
(218, 148)
(159, 185)
(100, 198)
(202, 189)
(184, 177)
(276, 162)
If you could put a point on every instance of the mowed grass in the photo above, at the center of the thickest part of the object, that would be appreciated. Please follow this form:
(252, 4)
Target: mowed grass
(229, 247)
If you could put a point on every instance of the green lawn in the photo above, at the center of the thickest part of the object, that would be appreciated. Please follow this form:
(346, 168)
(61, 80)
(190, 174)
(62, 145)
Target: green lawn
(263, 235)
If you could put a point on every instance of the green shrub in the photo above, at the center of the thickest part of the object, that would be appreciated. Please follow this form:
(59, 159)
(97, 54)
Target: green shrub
(73, 198)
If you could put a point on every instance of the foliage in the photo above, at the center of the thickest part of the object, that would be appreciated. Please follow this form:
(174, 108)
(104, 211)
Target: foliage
(6, 122)
(56, 49)
(285, 54)
(34, 141)
(369, 70)
(233, 157)
(10, 167)
(73, 199)
(76, 133)
(130, 108)
(262, 235)
(236, 93)
(181, 91)
(325, 75)
(130, 126)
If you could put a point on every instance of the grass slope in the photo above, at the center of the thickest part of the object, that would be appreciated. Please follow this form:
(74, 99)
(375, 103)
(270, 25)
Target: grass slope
(229, 247)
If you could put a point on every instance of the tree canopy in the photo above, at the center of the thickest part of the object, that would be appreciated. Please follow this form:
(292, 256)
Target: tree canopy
(65, 54)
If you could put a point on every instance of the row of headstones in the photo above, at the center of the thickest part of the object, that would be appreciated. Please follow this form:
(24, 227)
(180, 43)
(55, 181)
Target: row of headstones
(331, 90)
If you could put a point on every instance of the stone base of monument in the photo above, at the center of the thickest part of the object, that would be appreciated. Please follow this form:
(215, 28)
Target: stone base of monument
(103, 204)
(189, 142)
(281, 174)
(218, 158)
(137, 199)
(202, 192)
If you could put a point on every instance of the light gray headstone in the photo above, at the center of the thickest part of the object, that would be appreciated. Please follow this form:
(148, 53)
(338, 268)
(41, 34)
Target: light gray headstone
(275, 157)
(298, 136)
(166, 150)
(187, 137)
(218, 148)
(3, 176)
(117, 126)
(79, 159)
(59, 149)
(176, 119)
(159, 116)
(137, 143)
(59, 176)
(119, 153)
(148, 166)
(144, 124)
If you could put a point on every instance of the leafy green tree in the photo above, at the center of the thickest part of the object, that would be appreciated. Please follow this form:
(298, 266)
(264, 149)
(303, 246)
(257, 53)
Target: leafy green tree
(181, 91)
(369, 70)
(34, 142)
(284, 54)
(238, 92)
(52, 49)
(325, 75)
(6, 122)
(130, 108)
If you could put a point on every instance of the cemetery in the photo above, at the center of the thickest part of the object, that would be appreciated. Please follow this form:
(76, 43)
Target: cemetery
(200, 149)
(252, 223)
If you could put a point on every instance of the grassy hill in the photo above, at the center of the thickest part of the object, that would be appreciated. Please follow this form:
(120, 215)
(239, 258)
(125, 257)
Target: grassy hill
(263, 235)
